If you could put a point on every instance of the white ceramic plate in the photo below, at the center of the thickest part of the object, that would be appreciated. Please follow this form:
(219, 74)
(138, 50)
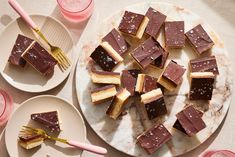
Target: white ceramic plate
(122, 133)
(73, 127)
(27, 78)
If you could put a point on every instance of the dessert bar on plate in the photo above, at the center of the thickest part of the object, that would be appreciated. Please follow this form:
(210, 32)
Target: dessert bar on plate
(133, 24)
(154, 103)
(174, 34)
(199, 39)
(189, 121)
(171, 76)
(152, 139)
(21, 45)
(116, 41)
(101, 94)
(29, 141)
(49, 120)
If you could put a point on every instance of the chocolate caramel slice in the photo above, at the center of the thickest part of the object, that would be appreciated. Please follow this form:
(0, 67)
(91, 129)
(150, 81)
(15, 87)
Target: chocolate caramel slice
(133, 24)
(40, 59)
(147, 52)
(21, 45)
(29, 141)
(117, 104)
(179, 127)
(128, 80)
(154, 103)
(199, 39)
(105, 77)
(156, 21)
(103, 93)
(152, 139)
(201, 85)
(174, 34)
(49, 120)
(145, 83)
(189, 121)
(205, 64)
(117, 42)
(106, 57)
(171, 76)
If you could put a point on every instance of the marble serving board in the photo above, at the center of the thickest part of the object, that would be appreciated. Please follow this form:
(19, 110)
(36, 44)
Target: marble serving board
(122, 133)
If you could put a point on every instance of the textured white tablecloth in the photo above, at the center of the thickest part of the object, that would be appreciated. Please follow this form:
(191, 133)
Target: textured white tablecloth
(218, 13)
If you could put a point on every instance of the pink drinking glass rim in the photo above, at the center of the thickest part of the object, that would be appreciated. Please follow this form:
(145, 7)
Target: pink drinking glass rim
(4, 104)
(74, 11)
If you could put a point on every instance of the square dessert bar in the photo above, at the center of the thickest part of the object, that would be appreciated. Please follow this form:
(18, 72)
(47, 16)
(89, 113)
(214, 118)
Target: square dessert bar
(174, 34)
(117, 104)
(154, 103)
(189, 121)
(201, 85)
(116, 41)
(147, 52)
(152, 139)
(172, 76)
(156, 21)
(199, 39)
(21, 45)
(179, 127)
(205, 64)
(133, 24)
(50, 120)
(29, 141)
(40, 59)
(105, 77)
(145, 83)
(128, 80)
(103, 93)
(106, 57)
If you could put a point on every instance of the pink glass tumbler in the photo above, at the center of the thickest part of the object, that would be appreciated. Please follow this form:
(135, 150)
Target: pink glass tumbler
(76, 10)
(6, 107)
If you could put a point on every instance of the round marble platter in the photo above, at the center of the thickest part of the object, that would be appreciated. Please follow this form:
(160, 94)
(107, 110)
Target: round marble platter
(122, 133)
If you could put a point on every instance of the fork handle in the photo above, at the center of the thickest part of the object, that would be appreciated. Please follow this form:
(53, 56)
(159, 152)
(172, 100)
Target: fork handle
(16, 6)
(88, 147)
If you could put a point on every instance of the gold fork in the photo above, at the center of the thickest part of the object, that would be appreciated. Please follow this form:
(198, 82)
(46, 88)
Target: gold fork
(56, 52)
(88, 147)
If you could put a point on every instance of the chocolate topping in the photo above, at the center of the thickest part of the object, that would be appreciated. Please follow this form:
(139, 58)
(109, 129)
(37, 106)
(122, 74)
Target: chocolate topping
(156, 108)
(154, 138)
(48, 119)
(130, 23)
(190, 121)
(156, 20)
(128, 80)
(147, 52)
(21, 44)
(174, 34)
(117, 41)
(201, 88)
(199, 39)
(174, 72)
(150, 83)
(103, 59)
(206, 64)
(40, 59)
